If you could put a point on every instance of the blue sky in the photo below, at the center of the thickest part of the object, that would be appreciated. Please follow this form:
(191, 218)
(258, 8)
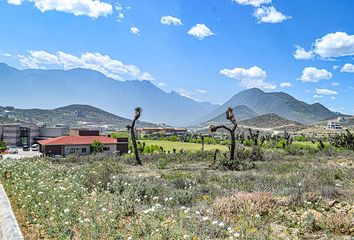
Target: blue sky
(207, 50)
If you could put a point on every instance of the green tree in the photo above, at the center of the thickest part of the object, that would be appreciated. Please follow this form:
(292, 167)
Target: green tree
(3, 146)
(97, 146)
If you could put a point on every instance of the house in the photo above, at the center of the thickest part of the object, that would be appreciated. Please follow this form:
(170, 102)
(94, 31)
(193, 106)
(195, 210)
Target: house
(80, 145)
(333, 125)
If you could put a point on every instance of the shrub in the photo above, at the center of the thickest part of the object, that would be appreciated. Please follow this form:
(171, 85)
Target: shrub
(253, 203)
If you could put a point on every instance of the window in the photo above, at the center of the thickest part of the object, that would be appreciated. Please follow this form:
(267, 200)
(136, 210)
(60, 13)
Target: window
(83, 150)
(106, 149)
(72, 150)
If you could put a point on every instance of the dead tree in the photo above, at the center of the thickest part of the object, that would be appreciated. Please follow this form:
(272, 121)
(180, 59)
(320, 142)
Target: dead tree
(131, 128)
(232, 129)
(254, 136)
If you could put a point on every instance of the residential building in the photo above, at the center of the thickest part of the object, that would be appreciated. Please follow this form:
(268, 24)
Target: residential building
(81, 145)
(333, 125)
(84, 132)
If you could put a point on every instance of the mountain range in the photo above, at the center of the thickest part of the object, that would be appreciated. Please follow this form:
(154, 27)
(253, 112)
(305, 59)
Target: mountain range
(279, 103)
(48, 89)
(51, 89)
(72, 115)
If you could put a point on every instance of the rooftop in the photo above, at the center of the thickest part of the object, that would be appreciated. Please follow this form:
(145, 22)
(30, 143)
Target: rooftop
(78, 140)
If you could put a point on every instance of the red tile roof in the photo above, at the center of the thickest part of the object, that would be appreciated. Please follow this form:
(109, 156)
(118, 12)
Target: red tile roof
(77, 140)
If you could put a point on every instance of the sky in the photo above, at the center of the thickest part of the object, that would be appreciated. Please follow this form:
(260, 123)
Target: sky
(207, 50)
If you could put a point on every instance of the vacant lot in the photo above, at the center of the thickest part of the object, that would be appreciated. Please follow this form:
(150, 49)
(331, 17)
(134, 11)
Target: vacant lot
(183, 196)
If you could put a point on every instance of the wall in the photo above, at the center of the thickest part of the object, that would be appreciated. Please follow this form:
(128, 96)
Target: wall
(78, 150)
(9, 229)
(52, 132)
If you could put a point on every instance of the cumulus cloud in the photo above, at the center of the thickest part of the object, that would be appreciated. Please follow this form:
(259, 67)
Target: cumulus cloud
(349, 68)
(200, 31)
(15, 2)
(333, 45)
(254, 3)
(169, 20)
(286, 85)
(162, 84)
(335, 84)
(312, 74)
(269, 14)
(135, 31)
(96, 61)
(324, 91)
(91, 8)
(302, 54)
(317, 96)
(253, 77)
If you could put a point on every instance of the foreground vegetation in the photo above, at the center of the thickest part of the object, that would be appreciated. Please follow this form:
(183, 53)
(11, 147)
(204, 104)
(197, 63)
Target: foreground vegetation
(288, 195)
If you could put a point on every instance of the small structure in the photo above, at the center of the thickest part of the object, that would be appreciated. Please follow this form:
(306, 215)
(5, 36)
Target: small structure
(80, 145)
(84, 132)
(163, 130)
(333, 125)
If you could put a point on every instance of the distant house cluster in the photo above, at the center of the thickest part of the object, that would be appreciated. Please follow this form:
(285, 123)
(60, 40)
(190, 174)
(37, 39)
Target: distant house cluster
(162, 130)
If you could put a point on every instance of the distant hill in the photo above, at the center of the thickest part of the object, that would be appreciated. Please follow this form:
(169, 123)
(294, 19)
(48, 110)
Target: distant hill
(270, 120)
(278, 103)
(242, 112)
(73, 115)
(48, 89)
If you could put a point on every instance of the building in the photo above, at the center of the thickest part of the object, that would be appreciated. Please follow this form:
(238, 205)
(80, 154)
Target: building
(22, 134)
(333, 125)
(81, 145)
(84, 132)
(162, 130)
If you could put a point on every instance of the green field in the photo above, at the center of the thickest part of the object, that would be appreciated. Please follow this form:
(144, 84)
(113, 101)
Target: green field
(193, 147)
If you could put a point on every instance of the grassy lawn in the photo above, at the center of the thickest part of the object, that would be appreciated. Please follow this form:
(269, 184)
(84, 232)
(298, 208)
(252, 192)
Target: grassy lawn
(193, 147)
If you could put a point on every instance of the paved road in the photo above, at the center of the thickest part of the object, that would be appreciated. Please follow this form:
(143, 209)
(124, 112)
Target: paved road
(22, 154)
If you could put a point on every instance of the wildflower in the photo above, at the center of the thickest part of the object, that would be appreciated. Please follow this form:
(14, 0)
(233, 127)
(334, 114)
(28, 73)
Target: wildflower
(66, 210)
(236, 234)
(155, 198)
(197, 212)
(221, 224)
(214, 222)
(205, 218)
(185, 236)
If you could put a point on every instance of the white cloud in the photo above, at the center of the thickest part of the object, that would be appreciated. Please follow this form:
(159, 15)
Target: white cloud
(312, 74)
(333, 98)
(169, 20)
(302, 54)
(317, 96)
(324, 91)
(333, 45)
(15, 2)
(254, 3)
(120, 12)
(6, 55)
(200, 31)
(269, 15)
(135, 31)
(202, 91)
(335, 84)
(286, 85)
(253, 77)
(96, 61)
(162, 84)
(91, 8)
(349, 68)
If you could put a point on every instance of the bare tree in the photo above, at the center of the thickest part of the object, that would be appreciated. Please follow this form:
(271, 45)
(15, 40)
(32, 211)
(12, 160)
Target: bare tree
(131, 128)
(232, 129)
